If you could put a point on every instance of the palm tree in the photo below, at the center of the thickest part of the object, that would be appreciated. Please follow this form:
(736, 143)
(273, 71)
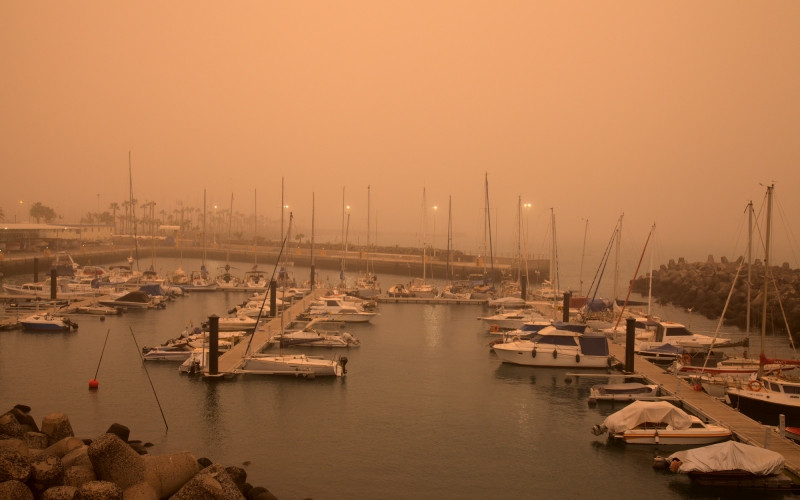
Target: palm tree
(114, 206)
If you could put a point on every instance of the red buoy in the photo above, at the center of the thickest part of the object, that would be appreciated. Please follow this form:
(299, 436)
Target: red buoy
(94, 384)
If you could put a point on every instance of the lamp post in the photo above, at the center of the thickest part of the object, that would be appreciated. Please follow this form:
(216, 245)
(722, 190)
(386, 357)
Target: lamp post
(19, 210)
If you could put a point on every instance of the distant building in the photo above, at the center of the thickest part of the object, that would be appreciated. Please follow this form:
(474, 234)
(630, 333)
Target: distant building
(36, 237)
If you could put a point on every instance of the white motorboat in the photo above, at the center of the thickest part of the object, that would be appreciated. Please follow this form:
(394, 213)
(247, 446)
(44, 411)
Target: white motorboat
(551, 347)
(668, 332)
(510, 320)
(659, 422)
(339, 309)
(236, 323)
(312, 335)
(48, 322)
(299, 365)
(42, 289)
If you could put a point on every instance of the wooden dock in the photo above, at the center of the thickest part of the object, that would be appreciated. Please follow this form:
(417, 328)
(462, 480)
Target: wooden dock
(385, 299)
(232, 359)
(707, 407)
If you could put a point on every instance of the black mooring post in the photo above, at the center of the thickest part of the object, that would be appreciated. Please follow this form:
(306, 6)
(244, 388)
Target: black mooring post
(565, 307)
(630, 339)
(273, 299)
(213, 344)
(53, 283)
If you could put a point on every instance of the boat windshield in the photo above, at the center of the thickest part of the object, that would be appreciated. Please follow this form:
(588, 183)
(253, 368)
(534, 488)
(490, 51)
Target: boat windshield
(554, 339)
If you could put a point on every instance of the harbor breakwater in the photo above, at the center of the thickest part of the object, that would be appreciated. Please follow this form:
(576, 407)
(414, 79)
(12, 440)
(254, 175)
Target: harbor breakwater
(706, 287)
(50, 463)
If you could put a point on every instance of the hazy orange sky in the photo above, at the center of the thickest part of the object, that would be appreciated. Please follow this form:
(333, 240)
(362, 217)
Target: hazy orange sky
(673, 113)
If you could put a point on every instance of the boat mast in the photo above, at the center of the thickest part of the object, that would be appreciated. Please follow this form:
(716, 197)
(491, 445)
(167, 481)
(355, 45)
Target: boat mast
(766, 273)
(311, 256)
(204, 227)
(424, 233)
(583, 255)
(749, 264)
(255, 229)
(489, 225)
(449, 236)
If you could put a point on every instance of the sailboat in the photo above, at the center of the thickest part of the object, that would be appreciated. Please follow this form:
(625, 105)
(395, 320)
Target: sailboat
(419, 287)
(766, 397)
(299, 365)
(367, 286)
(255, 280)
(225, 279)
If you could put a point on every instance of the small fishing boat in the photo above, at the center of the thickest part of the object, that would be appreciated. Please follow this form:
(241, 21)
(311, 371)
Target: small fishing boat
(622, 391)
(731, 464)
(48, 322)
(659, 422)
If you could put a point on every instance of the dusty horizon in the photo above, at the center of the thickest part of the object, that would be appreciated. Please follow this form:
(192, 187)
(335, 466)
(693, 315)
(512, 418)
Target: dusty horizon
(672, 114)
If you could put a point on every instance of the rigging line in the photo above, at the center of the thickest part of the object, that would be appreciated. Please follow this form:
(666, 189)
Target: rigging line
(101, 354)
(634, 274)
(267, 291)
(149, 379)
(724, 310)
(774, 283)
(604, 261)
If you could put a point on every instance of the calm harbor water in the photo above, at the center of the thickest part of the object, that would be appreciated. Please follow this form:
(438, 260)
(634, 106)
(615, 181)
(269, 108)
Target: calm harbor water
(425, 411)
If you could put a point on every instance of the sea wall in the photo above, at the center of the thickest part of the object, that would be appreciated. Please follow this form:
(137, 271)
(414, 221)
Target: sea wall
(50, 463)
(705, 287)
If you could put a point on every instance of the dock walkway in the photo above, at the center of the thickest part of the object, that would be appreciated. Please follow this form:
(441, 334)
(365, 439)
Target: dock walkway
(703, 405)
(232, 359)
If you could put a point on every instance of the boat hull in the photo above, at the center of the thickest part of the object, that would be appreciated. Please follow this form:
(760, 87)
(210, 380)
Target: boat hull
(766, 407)
(553, 358)
(296, 365)
(674, 437)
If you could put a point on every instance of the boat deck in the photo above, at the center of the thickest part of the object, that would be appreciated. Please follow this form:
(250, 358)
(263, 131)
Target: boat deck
(705, 406)
(232, 359)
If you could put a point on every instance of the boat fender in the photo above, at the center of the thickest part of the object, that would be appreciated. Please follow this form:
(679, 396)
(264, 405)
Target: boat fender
(533, 353)
(577, 358)
(686, 359)
(754, 385)
(555, 353)
(656, 438)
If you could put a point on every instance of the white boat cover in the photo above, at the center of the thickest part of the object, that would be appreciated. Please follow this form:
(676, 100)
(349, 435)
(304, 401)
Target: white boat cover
(729, 456)
(640, 412)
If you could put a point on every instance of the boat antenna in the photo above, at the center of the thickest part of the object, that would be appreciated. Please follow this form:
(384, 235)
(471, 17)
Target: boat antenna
(166, 427)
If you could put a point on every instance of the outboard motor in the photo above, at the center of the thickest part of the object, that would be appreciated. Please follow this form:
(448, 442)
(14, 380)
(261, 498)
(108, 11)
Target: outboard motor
(343, 362)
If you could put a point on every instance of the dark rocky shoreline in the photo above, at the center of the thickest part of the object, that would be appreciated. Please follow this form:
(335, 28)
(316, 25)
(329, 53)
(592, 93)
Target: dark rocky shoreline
(50, 463)
(704, 287)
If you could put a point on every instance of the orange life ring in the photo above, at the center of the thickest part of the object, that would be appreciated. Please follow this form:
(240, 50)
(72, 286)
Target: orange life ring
(686, 359)
(494, 328)
(754, 385)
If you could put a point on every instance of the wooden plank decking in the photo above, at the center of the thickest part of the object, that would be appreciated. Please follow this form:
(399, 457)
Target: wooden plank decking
(230, 360)
(705, 406)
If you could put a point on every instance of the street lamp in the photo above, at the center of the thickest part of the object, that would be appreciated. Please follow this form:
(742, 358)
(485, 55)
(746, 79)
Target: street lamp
(20, 210)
